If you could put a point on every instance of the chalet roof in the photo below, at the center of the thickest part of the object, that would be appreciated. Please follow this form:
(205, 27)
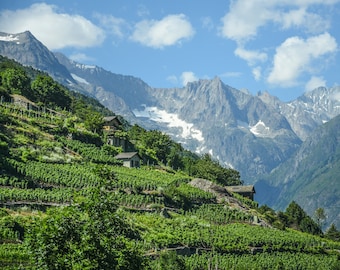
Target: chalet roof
(110, 118)
(17, 97)
(126, 155)
(241, 189)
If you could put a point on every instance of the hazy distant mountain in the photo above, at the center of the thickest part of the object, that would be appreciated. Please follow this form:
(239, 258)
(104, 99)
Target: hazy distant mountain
(253, 134)
(309, 110)
(311, 177)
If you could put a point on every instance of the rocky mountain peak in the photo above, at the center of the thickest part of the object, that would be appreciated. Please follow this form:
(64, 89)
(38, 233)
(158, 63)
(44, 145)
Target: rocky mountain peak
(29, 51)
(253, 134)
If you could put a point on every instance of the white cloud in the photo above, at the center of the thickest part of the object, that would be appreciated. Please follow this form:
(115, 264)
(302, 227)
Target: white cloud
(53, 29)
(80, 57)
(245, 17)
(315, 82)
(114, 25)
(257, 73)
(170, 30)
(250, 56)
(188, 76)
(313, 23)
(295, 56)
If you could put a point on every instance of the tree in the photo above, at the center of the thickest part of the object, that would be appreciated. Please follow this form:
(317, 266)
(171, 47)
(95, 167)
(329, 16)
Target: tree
(320, 216)
(333, 233)
(295, 214)
(94, 121)
(15, 80)
(207, 168)
(174, 158)
(308, 225)
(89, 235)
(49, 92)
(298, 219)
(170, 261)
(153, 145)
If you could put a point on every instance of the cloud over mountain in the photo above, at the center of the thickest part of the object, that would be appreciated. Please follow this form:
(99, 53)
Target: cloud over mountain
(58, 30)
(188, 76)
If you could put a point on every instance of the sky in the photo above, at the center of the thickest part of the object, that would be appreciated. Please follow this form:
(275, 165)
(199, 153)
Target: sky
(285, 47)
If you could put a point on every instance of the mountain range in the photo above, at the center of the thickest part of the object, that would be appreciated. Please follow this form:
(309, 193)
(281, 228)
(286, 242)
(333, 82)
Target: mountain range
(311, 176)
(254, 134)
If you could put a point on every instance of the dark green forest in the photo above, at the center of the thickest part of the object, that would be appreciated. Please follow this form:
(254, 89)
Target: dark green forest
(68, 203)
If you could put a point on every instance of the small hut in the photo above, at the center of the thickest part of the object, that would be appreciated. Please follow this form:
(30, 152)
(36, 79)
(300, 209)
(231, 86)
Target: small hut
(111, 124)
(23, 102)
(130, 159)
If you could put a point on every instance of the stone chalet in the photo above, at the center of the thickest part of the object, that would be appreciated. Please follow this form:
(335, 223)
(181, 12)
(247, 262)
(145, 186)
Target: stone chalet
(130, 159)
(245, 191)
(23, 102)
(111, 124)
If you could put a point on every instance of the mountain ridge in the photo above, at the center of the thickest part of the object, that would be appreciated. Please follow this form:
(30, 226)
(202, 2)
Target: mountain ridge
(207, 116)
(37, 54)
(310, 177)
(253, 134)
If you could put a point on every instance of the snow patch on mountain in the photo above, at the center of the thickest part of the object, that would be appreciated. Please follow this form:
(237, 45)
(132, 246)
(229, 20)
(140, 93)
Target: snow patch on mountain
(172, 120)
(82, 66)
(79, 79)
(9, 38)
(260, 129)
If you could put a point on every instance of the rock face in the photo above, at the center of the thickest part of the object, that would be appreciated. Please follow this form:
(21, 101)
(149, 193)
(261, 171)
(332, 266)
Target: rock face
(308, 111)
(27, 50)
(310, 177)
(239, 129)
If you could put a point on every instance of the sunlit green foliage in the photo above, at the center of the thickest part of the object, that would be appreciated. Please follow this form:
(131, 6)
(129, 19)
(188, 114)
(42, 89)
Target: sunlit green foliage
(150, 217)
(91, 235)
(49, 92)
(15, 81)
(208, 168)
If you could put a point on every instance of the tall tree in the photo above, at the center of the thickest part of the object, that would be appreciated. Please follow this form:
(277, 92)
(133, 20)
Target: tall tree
(89, 235)
(320, 216)
(15, 80)
(50, 93)
(206, 167)
(298, 219)
(333, 233)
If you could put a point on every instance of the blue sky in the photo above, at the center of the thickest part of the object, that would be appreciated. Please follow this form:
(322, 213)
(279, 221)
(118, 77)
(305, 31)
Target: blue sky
(285, 47)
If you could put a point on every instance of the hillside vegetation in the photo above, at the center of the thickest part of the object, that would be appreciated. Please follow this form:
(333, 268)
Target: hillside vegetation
(67, 203)
(311, 176)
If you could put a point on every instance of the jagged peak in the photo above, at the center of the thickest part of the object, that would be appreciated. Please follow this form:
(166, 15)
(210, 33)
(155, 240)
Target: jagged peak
(320, 93)
(215, 83)
(16, 36)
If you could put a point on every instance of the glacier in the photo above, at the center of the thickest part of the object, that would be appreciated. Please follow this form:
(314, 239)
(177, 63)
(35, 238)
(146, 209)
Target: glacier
(172, 120)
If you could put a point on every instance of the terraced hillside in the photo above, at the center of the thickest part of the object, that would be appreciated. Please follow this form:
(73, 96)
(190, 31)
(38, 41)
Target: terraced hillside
(67, 203)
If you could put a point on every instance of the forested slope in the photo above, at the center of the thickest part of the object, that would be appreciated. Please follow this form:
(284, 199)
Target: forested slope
(67, 203)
